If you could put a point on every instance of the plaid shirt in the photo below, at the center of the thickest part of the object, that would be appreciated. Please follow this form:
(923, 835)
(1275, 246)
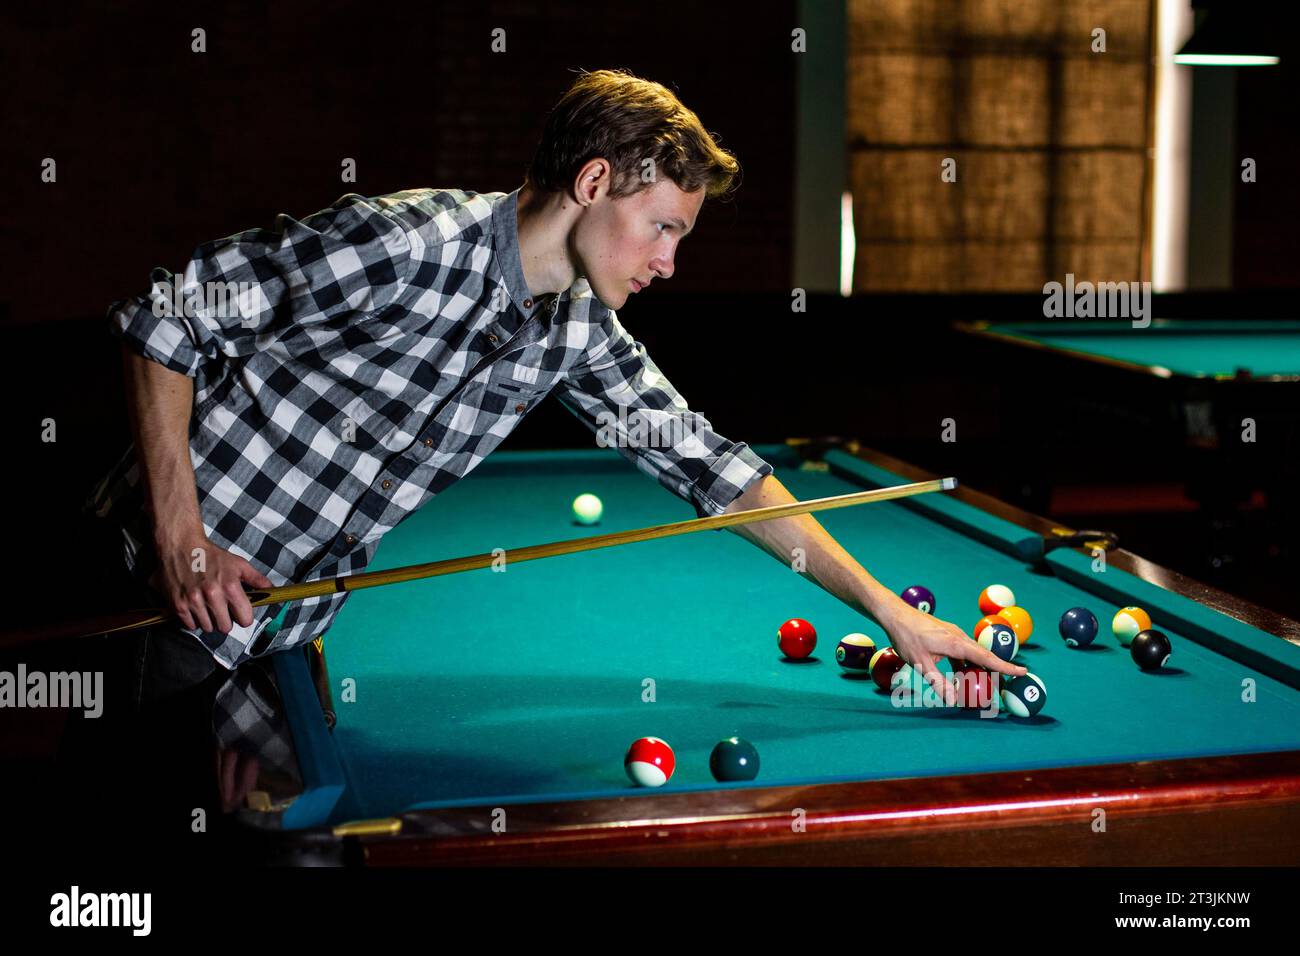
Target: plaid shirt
(380, 350)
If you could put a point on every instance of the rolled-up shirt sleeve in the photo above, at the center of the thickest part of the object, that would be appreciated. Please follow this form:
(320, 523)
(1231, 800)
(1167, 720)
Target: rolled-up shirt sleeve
(620, 394)
(238, 291)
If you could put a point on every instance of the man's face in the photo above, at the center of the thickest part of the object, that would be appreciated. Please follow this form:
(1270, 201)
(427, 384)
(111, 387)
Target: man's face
(619, 241)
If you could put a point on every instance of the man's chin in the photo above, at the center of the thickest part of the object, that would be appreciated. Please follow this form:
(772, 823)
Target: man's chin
(612, 304)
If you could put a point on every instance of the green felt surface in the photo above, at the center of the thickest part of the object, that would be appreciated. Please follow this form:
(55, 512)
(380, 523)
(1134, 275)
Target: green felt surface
(529, 684)
(1200, 349)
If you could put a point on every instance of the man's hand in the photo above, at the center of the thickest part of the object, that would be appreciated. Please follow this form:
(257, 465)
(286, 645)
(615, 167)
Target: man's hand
(921, 638)
(160, 403)
(918, 637)
(211, 598)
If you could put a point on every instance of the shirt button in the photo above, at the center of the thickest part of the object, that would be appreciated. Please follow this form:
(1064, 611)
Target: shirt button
(492, 339)
(520, 408)
(386, 484)
(528, 303)
(350, 539)
(428, 442)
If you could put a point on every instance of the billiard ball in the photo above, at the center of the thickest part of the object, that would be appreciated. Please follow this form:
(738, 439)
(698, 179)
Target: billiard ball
(995, 597)
(587, 509)
(985, 621)
(796, 638)
(1024, 696)
(734, 759)
(885, 663)
(1078, 627)
(1020, 622)
(973, 685)
(1150, 650)
(649, 762)
(854, 652)
(1128, 623)
(1000, 639)
(905, 683)
(920, 597)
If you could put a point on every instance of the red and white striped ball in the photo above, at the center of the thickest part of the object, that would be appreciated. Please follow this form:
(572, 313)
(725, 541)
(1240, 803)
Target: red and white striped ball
(649, 762)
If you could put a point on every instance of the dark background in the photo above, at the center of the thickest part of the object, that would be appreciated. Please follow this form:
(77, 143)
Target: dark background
(160, 149)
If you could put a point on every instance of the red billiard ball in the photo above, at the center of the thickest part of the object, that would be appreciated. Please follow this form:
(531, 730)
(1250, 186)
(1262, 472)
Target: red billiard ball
(796, 638)
(884, 665)
(974, 685)
(649, 762)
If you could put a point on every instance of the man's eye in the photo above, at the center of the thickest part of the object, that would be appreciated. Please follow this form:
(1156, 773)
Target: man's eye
(662, 225)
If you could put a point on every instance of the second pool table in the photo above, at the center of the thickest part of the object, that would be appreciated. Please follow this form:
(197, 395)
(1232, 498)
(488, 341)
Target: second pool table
(483, 717)
(1211, 407)
(1240, 350)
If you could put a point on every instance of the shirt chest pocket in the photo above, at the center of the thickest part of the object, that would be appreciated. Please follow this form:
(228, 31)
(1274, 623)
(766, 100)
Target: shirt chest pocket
(524, 372)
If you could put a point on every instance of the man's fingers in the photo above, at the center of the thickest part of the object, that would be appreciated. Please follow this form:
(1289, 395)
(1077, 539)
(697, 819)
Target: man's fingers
(990, 661)
(240, 609)
(1011, 670)
(197, 608)
(220, 612)
(938, 682)
(978, 654)
(251, 575)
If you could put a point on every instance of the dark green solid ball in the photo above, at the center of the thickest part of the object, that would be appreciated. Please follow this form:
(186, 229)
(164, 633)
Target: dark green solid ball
(734, 759)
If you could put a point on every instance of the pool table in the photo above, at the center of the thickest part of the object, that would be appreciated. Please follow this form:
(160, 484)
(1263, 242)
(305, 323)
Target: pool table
(1243, 350)
(1097, 400)
(483, 717)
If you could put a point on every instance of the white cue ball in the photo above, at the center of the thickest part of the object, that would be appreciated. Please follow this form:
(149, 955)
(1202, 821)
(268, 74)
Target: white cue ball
(587, 509)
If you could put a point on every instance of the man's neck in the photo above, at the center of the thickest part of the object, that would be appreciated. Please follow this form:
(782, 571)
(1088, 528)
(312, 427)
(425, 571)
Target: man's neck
(544, 221)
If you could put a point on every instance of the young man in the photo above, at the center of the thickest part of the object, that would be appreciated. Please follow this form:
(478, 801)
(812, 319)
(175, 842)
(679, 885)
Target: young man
(381, 348)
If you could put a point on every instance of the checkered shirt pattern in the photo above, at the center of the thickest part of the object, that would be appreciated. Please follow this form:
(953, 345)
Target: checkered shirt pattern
(377, 352)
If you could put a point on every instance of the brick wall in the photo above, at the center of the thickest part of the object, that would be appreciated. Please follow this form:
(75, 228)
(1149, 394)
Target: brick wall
(159, 148)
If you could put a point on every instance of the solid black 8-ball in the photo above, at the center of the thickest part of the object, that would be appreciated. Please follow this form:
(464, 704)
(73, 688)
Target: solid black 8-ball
(1150, 650)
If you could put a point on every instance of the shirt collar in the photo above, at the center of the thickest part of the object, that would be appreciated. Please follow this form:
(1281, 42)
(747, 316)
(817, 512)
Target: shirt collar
(505, 239)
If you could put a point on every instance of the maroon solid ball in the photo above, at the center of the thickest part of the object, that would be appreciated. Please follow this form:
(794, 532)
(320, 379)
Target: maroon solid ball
(974, 685)
(884, 665)
(796, 638)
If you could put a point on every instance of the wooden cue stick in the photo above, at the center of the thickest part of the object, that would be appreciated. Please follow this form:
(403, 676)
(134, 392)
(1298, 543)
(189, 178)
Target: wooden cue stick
(133, 620)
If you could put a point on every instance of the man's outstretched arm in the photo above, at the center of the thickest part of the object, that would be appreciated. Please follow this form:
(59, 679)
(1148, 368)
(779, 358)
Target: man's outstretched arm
(917, 636)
